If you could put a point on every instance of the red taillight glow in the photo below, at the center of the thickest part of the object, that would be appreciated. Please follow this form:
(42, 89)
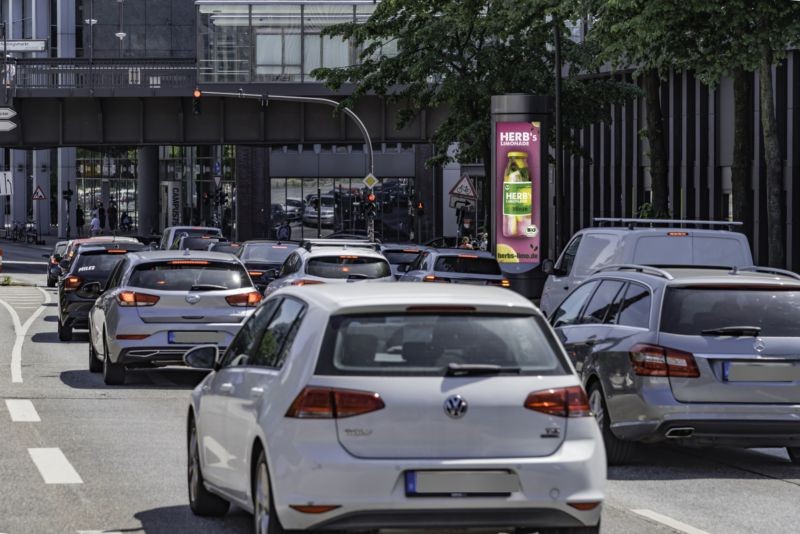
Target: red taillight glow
(72, 283)
(314, 509)
(132, 298)
(468, 256)
(502, 283)
(187, 262)
(652, 360)
(116, 251)
(432, 278)
(256, 274)
(561, 402)
(303, 282)
(245, 299)
(132, 336)
(584, 506)
(328, 403)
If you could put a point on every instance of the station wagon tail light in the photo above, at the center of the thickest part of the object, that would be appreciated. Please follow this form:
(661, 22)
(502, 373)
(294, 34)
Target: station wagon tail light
(561, 402)
(245, 299)
(653, 360)
(133, 298)
(72, 283)
(329, 403)
(256, 274)
(432, 278)
(187, 262)
(304, 282)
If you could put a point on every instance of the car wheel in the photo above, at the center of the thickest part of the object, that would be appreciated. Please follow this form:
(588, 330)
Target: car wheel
(95, 365)
(113, 373)
(794, 454)
(201, 501)
(64, 332)
(618, 451)
(265, 518)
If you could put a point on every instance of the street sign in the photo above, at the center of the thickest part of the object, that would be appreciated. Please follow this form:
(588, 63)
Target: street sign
(370, 181)
(39, 194)
(217, 167)
(6, 184)
(464, 188)
(217, 181)
(24, 45)
(7, 126)
(7, 113)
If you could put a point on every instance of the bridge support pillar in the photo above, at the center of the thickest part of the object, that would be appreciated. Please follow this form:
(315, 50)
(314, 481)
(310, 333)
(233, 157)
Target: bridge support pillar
(41, 178)
(147, 190)
(66, 180)
(19, 173)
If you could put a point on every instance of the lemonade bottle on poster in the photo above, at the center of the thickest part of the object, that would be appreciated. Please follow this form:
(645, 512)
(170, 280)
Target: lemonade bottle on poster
(517, 196)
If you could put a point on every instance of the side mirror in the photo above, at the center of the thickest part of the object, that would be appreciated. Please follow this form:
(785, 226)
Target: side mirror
(154, 245)
(405, 268)
(64, 264)
(548, 266)
(270, 274)
(93, 289)
(202, 357)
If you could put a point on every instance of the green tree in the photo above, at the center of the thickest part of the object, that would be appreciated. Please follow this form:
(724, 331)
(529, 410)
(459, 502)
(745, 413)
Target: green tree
(456, 54)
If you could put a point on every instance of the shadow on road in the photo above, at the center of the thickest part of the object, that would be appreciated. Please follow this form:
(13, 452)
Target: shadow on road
(52, 337)
(136, 379)
(180, 519)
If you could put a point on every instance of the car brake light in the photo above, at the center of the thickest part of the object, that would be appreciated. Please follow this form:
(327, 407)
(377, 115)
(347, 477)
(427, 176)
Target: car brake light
(245, 299)
(132, 298)
(72, 283)
(304, 282)
(432, 278)
(329, 403)
(652, 360)
(468, 256)
(116, 251)
(562, 402)
(187, 262)
(132, 336)
(502, 283)
(256, 274)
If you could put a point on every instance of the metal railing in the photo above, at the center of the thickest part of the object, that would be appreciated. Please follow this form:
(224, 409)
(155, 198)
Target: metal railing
(122, 73)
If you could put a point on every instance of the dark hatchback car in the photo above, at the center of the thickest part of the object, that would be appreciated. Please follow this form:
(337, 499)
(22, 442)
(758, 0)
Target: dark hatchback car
(457, 266)
(53, 270)
(261, 257)
(400, 255)
(198, 243)
(91, 264)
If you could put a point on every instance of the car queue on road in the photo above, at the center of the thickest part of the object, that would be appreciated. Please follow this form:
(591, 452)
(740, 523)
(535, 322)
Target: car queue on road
(305, 419)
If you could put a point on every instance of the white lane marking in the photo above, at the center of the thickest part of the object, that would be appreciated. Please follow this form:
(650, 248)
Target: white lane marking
(21, 330)
(22, 411)
(54, 466)
(668, 521)
(99, 532)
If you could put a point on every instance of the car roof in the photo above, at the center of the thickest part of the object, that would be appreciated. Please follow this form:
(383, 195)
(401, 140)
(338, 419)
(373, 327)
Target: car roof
(351, 250)
(270, 242)
(691, 275)
(461, 252)
(180, 228)
(337, 298)
(639, 231)
(385, 246)
(160, 255)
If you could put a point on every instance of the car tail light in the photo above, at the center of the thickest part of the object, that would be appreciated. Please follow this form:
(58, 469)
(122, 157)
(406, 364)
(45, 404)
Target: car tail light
(133, 298)
(305, 282)
(256, 274)
(584, 506)
(432, 278)
(652, 360)
(502, 283)
(329, 403)
(132, 337)
(245, 299)
(72, 283)
(562, 402)
(314, 509)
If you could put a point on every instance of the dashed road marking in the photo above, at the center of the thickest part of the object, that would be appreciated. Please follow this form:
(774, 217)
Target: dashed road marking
(99, 532)
(668, 521)
(22, 411)
(54, 466)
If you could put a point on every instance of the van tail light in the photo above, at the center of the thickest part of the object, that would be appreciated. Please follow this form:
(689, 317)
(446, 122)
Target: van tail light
(306, 282)
(561, 402)
(71, 283)
(329, 403)
(134, 298)
(502, 283)
(653, 360)
(432, 278)
(245, 299)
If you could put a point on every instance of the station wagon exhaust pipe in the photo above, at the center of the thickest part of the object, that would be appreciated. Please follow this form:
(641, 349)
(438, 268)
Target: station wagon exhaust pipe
(680, 432)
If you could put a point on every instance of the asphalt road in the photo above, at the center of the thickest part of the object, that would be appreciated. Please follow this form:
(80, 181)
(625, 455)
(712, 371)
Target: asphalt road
(78, 456)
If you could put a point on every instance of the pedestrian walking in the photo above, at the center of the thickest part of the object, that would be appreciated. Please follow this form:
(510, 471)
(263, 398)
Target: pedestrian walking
(94, 226)
(125, 222)
(112, 217)
(80, 220)
(465, 243)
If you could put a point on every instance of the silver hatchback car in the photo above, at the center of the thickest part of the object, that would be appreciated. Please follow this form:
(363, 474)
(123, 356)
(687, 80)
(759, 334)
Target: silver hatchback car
(158, 305)
(703, 356)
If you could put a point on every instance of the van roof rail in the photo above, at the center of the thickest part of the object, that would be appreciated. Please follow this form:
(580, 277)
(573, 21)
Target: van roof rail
(765, 270)
(308, 244)
(680, 223)
(644, 269)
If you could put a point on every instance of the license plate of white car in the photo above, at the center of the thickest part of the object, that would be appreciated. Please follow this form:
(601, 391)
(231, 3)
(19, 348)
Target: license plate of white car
(760, 372)
(460, 483)
(196, 338)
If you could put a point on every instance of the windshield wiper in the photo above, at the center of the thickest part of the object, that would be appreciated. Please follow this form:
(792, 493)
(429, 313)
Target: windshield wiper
(469, 369)
(207, 287)
(733, 331)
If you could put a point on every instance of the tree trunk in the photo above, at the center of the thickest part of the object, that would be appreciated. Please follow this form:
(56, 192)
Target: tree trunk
(655, 136)
(776, 233)
(742, 159)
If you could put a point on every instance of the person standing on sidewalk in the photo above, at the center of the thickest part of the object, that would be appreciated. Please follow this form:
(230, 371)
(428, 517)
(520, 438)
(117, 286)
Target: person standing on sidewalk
(80, 220)
(112, 217)
(94, 226)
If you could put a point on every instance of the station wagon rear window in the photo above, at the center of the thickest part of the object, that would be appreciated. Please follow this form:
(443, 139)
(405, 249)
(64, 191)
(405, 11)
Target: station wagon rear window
(345, 266)
(190, 275)
(97, 263)
(426, 344)
(267, 252)
(467, 264)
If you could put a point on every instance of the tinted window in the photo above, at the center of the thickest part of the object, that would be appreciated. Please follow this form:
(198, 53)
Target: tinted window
(568, 258)
(567, 313)
(196, 243)
(190, 275)
(689, 311)
(597, 250)
(634, 310)
(266, 252)
(276, 341)
(721, 251)
(194, 232)
(344, 267)
(601, 302)
(96, 263)
(467, 264)
(244, 342)
(425, 344)
(689, 250)
(399, 257)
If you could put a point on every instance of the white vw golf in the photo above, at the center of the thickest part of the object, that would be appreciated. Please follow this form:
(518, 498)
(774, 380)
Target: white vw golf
(350, 407)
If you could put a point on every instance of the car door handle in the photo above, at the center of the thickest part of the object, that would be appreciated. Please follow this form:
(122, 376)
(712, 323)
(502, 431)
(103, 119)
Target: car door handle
(227, 387)
(256, 391)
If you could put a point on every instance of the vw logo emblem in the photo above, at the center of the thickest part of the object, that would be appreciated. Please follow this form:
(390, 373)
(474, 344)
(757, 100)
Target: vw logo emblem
(192, 299)
(455, 407)
(759, 345)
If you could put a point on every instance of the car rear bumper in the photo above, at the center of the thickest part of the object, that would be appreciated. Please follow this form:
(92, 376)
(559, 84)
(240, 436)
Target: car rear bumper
(154, 356)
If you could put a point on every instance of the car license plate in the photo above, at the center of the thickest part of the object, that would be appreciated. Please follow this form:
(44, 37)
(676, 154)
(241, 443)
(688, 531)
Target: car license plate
(760, 372)
(196, 338)
(460, 483)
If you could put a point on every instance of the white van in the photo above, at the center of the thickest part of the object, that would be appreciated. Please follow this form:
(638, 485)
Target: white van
(662, 243)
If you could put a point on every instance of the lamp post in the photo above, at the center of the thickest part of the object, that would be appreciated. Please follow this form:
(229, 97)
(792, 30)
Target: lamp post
(91, 21)
(558, 181)
(121, 34)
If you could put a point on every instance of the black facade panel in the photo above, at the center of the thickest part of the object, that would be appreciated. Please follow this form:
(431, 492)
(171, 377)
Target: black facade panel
(122, 121)
(243, 121)
(161, 120)
(82, 120)
(39, 127)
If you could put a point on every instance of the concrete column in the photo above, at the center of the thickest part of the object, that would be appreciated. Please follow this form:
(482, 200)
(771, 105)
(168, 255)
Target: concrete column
(147, 190)
(19, 176)
(66, 179)
(41, 178)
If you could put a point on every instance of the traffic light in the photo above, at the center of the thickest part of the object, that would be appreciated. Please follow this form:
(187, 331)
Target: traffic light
(420, 208)
(196, 104)
(371, 206)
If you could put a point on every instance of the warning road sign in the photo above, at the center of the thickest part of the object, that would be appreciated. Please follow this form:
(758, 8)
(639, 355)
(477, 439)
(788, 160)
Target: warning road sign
(464, 188)
(39, 193)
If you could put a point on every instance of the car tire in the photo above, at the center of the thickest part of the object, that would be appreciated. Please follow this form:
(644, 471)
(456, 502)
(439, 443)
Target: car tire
(201, 501)
(618, 451)
(794, 454)
(64, 332)
(95, 365)
(113, 373)
(265, 518)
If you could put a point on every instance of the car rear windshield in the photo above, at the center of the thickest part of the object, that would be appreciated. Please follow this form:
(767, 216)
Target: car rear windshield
(190, 275)
(400, 257)
(96, 263)
(690, 311)
(678, 248)
(467, 264)
(267, 252)
(426, 344)
(348, 267)
(197, 243)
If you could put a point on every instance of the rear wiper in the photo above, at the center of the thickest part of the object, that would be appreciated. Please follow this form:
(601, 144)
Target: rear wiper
(469, 369)
(358, 276)
(733, 331)
(207, 287)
